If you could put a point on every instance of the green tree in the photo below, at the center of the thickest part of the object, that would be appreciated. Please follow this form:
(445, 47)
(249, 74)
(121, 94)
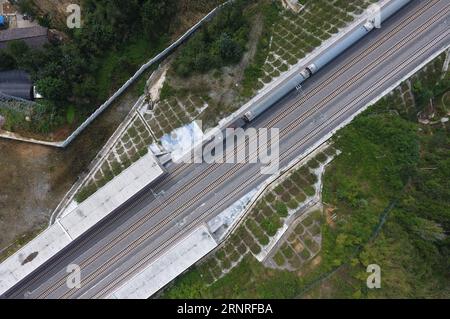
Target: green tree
(156, 14)
(18, 49)
(220, 42)
(230, 50)
(26, 6)
(52, 88)
(7, 61)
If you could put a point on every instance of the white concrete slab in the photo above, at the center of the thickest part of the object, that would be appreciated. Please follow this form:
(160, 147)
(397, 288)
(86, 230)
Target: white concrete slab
(224, 222)
(111, 196)
(43, 247)
(167, 267)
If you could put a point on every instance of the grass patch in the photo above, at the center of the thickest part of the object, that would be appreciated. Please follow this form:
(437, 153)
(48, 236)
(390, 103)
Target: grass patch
(279, 259)
(70, 114)
(271, 224)
(167, 91)
(281, 209)
(119, 65)
(85, 192)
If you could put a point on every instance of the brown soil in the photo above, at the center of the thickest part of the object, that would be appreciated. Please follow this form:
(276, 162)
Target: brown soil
(62, 133)
(55, 9)
(298, 248)
(329, 212)
(34, 178)
(192, 12)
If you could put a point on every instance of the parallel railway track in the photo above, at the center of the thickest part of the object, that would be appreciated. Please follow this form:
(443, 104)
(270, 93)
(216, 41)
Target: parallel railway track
(135, 268)
(212, 168)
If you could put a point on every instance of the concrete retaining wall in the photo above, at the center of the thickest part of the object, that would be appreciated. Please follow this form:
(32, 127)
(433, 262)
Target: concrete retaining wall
(104, 106)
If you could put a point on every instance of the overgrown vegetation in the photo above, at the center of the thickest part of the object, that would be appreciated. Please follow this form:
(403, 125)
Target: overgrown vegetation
(97, 58)
(390, 193)
(255, 71)
(221, 42)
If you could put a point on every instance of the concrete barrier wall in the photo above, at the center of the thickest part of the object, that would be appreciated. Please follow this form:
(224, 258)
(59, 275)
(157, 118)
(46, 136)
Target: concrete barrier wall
(125, 86)
(139, 72)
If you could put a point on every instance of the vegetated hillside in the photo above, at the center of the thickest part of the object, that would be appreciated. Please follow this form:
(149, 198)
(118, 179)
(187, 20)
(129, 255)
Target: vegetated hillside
(54, 10)
(188, 11)
(76, 76)
(387, 202)
(221, 42)
(409, 236)
(242, 50)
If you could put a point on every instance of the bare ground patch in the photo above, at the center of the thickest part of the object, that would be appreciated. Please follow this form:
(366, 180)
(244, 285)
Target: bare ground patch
(34, 178)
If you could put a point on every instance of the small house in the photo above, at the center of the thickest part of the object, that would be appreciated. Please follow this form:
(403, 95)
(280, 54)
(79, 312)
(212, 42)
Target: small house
(17, 83)
(34, 37)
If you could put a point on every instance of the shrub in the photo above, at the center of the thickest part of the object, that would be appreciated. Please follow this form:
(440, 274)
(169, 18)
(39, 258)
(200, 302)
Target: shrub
(281, 209)
(167, 91)
(219, 43)
(271, 225)
(313, 164)
(85, 192)
(309, 191)
(292, 204)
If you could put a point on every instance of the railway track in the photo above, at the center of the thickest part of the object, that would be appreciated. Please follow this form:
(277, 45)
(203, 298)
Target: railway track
(131, 272)
(286, 130)
(210, 169)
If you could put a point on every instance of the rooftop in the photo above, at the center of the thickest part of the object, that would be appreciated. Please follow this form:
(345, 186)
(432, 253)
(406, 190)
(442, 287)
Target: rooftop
(78, 221)
(16, 83)
(35, 36)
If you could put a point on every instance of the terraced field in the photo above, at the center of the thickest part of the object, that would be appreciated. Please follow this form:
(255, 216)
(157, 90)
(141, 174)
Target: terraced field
(295, 35)
(262, 226)
(172, 113)
(131, 146)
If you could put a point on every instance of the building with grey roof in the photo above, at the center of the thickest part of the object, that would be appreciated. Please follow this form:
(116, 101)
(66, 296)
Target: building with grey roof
(34, 37)
(17, 84)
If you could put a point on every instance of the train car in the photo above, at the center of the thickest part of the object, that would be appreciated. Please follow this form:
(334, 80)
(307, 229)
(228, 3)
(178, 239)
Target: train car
(237, 123)
(340, 47)
(329, 55)
(392, 8)
(272, 98)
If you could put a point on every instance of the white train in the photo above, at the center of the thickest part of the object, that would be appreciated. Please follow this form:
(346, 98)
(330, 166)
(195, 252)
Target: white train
(337, 49)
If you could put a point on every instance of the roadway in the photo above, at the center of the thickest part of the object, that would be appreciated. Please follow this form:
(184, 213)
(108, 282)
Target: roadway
(139, 231)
